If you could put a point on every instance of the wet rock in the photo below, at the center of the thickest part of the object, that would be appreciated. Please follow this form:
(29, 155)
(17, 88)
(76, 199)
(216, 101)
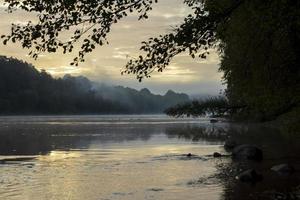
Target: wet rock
(230, 144)
(16, 160)
(214, 121)
(247, 152)
(250, 176)
(217, 155)
(283, 169)
(156, 189)
(189, 155)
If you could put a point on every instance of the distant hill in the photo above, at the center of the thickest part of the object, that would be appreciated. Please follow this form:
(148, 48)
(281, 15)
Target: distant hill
(25, 90)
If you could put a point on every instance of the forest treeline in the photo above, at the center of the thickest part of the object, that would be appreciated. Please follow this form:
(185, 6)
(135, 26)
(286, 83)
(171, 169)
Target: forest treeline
(258, 43)
(26, 90)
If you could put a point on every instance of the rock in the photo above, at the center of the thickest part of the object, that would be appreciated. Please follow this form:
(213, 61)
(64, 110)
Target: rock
(283, 169)
(217, 155)
(230, 144)
(247, 152)
(213, 121)
(250, 176)
(189, 155)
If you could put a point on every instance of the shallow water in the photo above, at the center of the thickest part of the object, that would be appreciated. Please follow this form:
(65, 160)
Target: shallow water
(134, 157)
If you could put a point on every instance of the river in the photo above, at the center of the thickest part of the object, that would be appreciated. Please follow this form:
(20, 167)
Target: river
(134, 157)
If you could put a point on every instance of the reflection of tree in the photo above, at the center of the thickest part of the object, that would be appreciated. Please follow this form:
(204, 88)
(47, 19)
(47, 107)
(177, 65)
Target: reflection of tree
(12, 143)
(278, 148)
(208, 132)
(29, 139)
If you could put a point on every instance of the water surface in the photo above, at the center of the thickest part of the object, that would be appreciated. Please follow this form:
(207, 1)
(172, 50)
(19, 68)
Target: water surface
(133, 157)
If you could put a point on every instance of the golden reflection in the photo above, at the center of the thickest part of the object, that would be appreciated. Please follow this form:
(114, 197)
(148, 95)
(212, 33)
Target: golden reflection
(119, 171)
(62, 155)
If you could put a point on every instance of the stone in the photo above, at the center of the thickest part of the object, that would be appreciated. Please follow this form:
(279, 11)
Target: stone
(247, 152)
(189, 155)
(230, 144)
(217, 155)
(213, 121)
(250, 176)
(283, 169)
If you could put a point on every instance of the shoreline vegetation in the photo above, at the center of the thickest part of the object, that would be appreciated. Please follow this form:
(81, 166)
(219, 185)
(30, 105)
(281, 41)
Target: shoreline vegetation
(213, 106)
(220, 107)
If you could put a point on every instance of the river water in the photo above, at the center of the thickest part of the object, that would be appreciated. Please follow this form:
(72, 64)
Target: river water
(134, 157)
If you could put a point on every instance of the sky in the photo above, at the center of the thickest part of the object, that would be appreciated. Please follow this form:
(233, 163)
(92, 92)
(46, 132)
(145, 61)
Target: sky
(184, 74)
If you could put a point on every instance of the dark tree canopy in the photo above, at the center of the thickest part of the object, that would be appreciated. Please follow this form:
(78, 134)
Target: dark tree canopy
(258, 42)
(214, 106)
(91, 21)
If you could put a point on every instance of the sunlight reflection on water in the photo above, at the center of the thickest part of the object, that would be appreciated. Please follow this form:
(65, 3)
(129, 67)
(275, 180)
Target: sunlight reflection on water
(115, 159)
(136, 157)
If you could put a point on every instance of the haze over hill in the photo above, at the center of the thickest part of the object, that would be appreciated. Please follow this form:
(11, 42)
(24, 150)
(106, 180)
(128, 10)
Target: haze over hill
(25, 90)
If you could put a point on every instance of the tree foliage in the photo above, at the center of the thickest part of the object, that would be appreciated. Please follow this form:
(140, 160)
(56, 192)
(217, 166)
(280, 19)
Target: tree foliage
(258, 42)
(260, 57)
(214, 106)
(91, 21)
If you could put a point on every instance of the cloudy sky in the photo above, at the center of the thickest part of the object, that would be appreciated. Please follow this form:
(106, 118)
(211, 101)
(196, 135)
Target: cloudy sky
(192, 76)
